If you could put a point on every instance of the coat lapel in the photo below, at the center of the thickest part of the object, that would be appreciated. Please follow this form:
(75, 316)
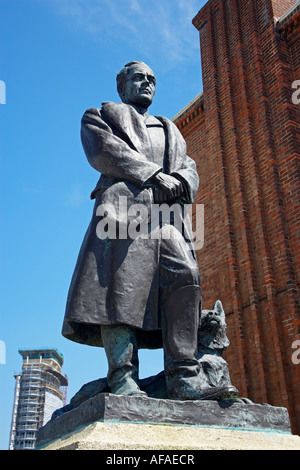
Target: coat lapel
(175, 146)
(128, 123)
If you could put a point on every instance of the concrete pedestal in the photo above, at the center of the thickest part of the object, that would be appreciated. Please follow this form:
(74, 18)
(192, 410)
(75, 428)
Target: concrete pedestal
(107, 422)
(132, 436)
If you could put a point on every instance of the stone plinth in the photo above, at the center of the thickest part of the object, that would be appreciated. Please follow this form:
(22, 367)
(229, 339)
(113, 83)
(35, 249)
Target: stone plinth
(145, 437)
(109, 421)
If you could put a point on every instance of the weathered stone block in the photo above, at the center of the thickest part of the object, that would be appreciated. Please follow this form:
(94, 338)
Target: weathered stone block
(109, 408)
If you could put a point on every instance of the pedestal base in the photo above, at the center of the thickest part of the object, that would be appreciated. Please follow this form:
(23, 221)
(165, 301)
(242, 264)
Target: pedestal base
(109, 421)
(132, 436)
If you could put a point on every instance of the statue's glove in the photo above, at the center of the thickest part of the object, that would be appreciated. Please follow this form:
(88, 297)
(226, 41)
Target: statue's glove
(166, 188)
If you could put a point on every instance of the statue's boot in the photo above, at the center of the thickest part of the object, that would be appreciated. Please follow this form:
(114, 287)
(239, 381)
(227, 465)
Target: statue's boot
(180, 337)
(121, 349)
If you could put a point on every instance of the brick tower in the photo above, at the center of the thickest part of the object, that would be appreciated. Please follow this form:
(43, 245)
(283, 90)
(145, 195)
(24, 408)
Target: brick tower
(243, 131)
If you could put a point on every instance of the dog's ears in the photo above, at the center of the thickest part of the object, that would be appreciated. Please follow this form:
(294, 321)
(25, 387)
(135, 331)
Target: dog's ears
(219, 308)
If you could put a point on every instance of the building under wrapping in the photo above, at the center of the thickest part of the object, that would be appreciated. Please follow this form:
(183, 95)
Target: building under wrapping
(39, 390)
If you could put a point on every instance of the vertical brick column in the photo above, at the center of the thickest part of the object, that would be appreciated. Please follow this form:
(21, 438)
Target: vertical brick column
(250, 164)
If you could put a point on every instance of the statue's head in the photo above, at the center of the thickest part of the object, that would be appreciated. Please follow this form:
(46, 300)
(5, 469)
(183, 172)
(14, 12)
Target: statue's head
(136, 84)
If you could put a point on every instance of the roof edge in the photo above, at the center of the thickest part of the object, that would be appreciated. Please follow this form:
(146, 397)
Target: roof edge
(197, 100)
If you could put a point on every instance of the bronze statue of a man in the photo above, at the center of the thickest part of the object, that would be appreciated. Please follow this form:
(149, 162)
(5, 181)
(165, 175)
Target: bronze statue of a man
(144, 291)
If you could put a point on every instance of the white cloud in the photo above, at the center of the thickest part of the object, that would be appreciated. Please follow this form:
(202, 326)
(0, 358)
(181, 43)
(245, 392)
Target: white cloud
(76, 196)
(31, 190)
(158, 28)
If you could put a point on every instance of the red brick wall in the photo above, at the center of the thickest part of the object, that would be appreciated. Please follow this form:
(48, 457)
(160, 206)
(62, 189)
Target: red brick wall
(246, 144)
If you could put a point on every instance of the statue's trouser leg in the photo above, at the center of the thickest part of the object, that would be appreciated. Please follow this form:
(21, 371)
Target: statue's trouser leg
(180, 297)
(180, 331)
(180, 326)
(121, 349)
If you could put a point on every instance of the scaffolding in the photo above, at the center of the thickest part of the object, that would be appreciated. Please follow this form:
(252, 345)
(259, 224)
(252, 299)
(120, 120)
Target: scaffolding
(39, 391)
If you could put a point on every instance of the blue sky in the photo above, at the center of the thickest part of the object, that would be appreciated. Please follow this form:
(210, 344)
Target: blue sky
(58, 58)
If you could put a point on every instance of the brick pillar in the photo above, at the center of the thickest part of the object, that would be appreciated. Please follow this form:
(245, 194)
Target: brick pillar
(251, 255)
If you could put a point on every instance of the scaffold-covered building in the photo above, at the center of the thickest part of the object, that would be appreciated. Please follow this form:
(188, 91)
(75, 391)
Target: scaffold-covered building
(39, 390)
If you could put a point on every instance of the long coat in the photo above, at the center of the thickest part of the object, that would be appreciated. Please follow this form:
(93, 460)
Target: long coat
(116, 281)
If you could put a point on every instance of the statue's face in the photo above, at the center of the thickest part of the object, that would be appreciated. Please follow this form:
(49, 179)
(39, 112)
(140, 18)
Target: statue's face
(139, 88)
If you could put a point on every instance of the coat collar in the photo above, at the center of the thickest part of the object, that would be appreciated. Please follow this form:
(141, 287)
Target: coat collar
(129, 122)
(131, 125)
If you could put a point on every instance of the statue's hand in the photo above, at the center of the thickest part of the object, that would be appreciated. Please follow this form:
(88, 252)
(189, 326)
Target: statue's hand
(166, 188)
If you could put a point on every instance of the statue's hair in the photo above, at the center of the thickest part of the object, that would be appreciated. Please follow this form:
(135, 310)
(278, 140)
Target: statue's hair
(121, 77)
